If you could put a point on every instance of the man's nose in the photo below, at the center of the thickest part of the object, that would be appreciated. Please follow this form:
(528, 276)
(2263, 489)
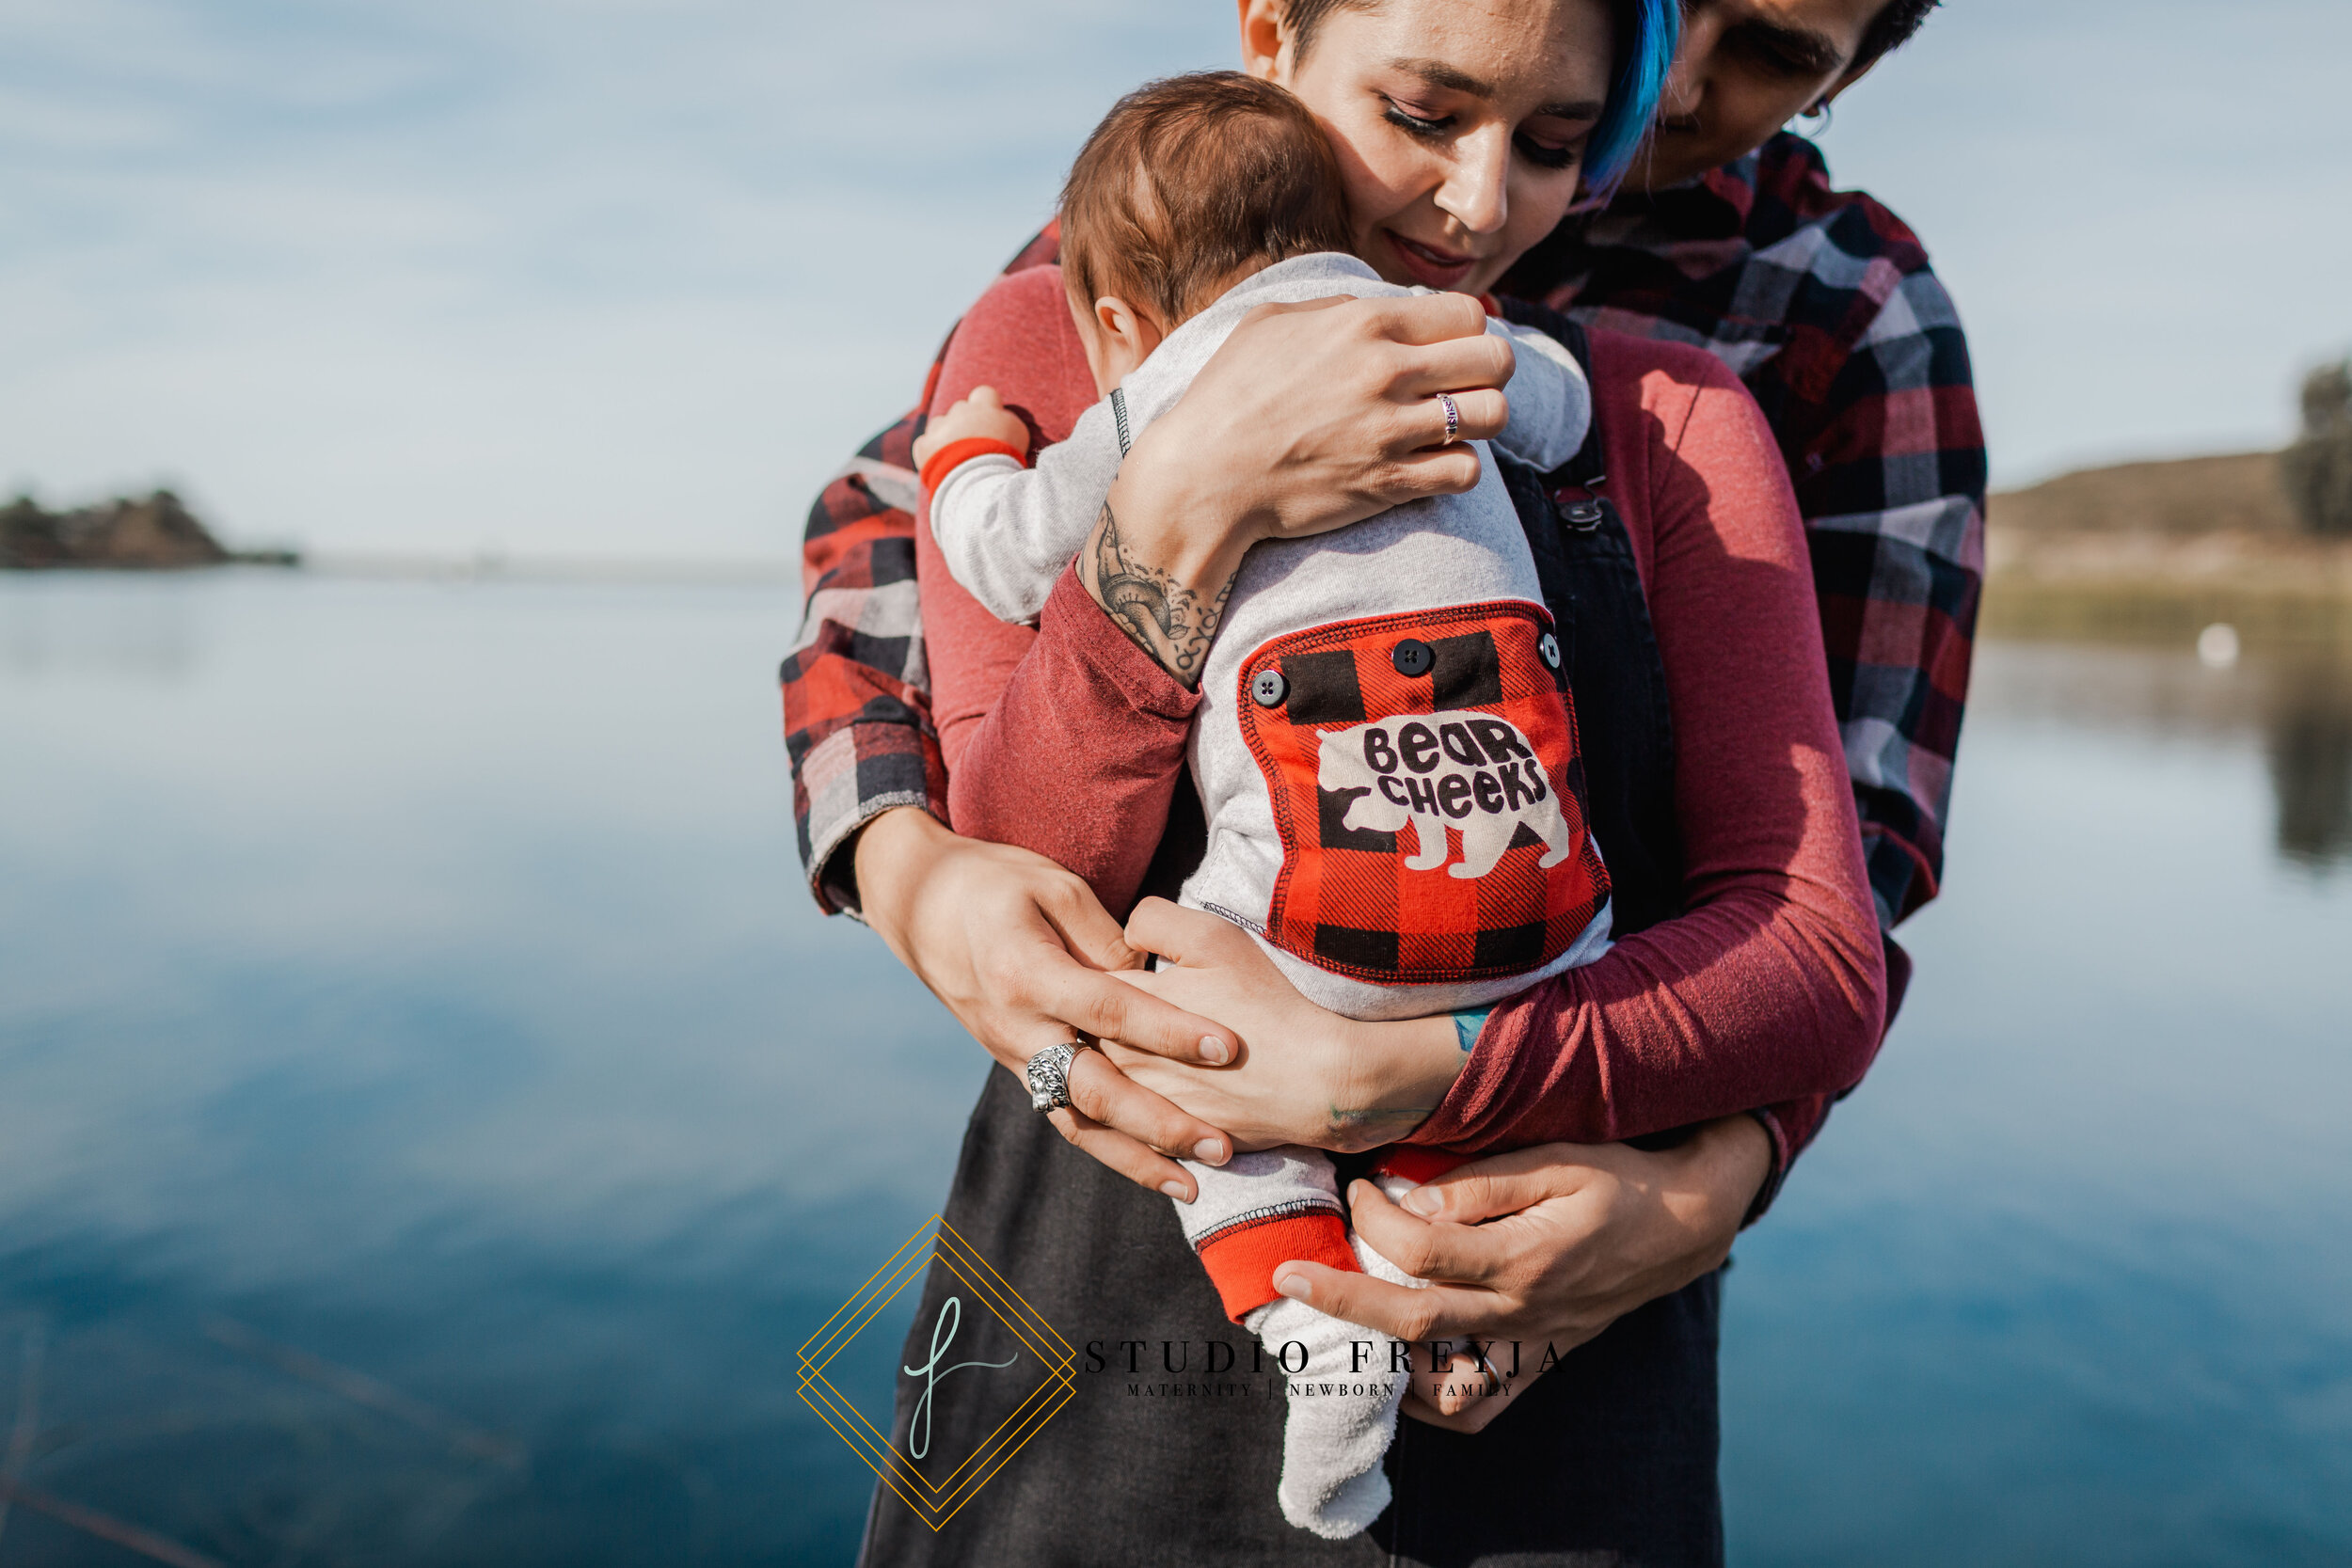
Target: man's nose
(1686, 82)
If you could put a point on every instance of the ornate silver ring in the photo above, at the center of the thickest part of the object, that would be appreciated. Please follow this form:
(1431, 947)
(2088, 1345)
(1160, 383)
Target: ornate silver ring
(1453, 418)
(1048, 1073)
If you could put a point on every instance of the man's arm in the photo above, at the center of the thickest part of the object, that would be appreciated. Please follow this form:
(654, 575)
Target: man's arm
(1892, 484)
(857, 719)
(1889, 467)
(857, 715)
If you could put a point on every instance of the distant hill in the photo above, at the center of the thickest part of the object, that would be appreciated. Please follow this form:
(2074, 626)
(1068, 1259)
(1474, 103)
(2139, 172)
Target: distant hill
(2162, 549)
(156, 533)
(2240, 493)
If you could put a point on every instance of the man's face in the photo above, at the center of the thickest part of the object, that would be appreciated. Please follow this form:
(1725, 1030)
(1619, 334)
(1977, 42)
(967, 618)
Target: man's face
(1746, 69)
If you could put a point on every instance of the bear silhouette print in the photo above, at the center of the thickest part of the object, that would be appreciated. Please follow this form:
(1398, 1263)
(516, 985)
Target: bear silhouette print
(1475, 773)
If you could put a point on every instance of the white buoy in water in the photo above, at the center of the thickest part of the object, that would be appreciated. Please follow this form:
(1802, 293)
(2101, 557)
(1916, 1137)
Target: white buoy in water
(2217, 646)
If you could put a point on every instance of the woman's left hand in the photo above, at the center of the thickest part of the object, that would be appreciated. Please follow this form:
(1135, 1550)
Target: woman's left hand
(1547, 1245)
(1304, 1075)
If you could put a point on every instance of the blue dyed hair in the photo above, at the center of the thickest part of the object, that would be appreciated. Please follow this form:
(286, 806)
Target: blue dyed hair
(1647, 31)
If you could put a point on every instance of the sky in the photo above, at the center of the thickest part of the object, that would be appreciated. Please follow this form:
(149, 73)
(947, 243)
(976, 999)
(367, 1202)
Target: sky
(630, 279)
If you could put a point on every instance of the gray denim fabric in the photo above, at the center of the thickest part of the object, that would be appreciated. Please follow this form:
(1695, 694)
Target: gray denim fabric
(1609, 1459)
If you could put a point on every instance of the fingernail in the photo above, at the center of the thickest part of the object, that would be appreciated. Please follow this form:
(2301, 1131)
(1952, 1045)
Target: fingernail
(1209, 1152)
(1175, 1190)
(1294, 1286)
(1422, 1201)
(1213, 1051)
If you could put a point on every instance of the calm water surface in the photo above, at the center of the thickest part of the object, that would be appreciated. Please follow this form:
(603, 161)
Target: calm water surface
(432, 1117)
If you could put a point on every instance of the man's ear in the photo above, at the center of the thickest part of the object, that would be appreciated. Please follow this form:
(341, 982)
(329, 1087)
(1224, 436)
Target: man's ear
(1264, 29)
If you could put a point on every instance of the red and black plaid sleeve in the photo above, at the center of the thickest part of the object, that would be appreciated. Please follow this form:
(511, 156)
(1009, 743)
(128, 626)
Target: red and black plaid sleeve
(857, 716)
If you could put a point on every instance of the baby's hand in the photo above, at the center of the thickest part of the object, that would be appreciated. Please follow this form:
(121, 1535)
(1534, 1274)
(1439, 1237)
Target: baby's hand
(983, 415)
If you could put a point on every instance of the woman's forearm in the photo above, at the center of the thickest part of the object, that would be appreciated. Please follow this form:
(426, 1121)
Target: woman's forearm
(1162, 584)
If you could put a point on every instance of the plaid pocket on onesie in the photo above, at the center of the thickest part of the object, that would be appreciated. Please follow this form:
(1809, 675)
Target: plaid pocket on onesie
(1429, 792)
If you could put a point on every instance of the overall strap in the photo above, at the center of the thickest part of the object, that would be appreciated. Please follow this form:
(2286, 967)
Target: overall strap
(1584, 563)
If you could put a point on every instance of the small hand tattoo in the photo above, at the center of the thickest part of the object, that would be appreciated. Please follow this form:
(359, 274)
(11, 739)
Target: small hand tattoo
(1160, 615)
(1354, 1131)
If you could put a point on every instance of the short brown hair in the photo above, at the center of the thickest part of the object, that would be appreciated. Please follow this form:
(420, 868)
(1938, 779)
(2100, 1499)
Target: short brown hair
(1188, 181)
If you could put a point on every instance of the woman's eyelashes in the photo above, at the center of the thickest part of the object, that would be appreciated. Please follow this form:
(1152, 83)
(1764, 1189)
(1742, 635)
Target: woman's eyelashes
(1427, 128)
(1436, 127)
(1543, 156)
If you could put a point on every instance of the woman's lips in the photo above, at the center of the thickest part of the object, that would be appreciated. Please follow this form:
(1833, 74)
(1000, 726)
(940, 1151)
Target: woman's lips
(1430, 267)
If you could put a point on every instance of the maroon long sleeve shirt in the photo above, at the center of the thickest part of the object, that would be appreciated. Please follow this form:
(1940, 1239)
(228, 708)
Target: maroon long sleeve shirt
(1767, 991)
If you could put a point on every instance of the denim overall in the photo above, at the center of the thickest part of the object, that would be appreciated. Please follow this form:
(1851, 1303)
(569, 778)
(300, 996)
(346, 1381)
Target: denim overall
(1169, 1450)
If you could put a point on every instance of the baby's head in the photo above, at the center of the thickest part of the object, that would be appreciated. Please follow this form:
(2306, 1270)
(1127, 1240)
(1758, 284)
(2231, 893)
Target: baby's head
(1188, 186)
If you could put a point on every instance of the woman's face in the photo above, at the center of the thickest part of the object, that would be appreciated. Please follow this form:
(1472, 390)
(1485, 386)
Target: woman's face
(1460, 124)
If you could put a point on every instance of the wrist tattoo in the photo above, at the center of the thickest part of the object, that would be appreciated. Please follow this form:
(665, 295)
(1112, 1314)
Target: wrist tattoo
(1163, 617)
(1354, 1131)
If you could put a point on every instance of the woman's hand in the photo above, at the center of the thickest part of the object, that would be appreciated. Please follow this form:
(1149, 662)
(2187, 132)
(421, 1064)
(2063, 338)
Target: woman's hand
(1314, 416)
(1308, 417)
(1545, 1245)
(1022, 953)
(1304, 1075)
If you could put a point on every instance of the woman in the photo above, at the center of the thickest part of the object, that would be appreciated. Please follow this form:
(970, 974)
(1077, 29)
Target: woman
(1614, 1451)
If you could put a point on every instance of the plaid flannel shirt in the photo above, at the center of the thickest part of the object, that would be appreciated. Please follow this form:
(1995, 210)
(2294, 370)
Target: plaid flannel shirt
(1822, 302)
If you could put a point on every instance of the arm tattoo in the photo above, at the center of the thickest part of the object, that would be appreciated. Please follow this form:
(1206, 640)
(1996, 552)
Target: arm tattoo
(1160, 615)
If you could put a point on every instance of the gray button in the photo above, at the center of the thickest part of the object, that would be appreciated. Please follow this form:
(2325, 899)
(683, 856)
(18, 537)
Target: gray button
(1270, 688)
(1413, 658)
(1548, 646)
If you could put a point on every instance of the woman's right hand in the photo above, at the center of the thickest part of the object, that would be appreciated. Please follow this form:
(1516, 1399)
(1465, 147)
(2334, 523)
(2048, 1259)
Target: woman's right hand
(1022, 953)
(1309, 417)
(1314, 416)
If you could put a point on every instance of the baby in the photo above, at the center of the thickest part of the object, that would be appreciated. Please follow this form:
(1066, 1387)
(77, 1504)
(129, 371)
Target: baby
(1384, 746)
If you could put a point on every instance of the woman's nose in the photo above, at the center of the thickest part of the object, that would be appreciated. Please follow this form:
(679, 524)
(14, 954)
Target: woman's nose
(1474, 194)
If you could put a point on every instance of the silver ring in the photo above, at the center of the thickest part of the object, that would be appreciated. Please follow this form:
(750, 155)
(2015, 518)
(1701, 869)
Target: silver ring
(1453, 418)
(1048, 1073)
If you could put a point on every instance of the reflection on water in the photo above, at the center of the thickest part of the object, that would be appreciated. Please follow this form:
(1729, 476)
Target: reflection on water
(143, 630)
(432, 1116)
(2310, 725)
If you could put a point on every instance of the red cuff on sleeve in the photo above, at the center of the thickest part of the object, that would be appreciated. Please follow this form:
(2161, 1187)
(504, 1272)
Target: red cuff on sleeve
(1241, 1261)
(948, 457)
(1416, 1165)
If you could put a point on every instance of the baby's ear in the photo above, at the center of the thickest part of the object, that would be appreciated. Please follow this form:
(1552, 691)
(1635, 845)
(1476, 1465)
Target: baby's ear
(1116, 317)
(1138, 329)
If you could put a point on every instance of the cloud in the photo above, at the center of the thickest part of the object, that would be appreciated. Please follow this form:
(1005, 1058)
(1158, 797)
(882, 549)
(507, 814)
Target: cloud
(627, 278)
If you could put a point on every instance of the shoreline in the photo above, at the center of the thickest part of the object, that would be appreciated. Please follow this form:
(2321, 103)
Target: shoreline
(717, 572)
(2273, 588)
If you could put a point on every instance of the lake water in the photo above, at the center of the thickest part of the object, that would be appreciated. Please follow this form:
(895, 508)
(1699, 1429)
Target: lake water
(433, 1116)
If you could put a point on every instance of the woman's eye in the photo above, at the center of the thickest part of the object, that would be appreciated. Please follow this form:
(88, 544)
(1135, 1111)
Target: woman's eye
(1415, 125)
(1543, 156)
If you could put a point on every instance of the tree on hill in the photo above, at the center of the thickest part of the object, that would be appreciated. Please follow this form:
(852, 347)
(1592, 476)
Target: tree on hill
(2318, 468)
(124, 534)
